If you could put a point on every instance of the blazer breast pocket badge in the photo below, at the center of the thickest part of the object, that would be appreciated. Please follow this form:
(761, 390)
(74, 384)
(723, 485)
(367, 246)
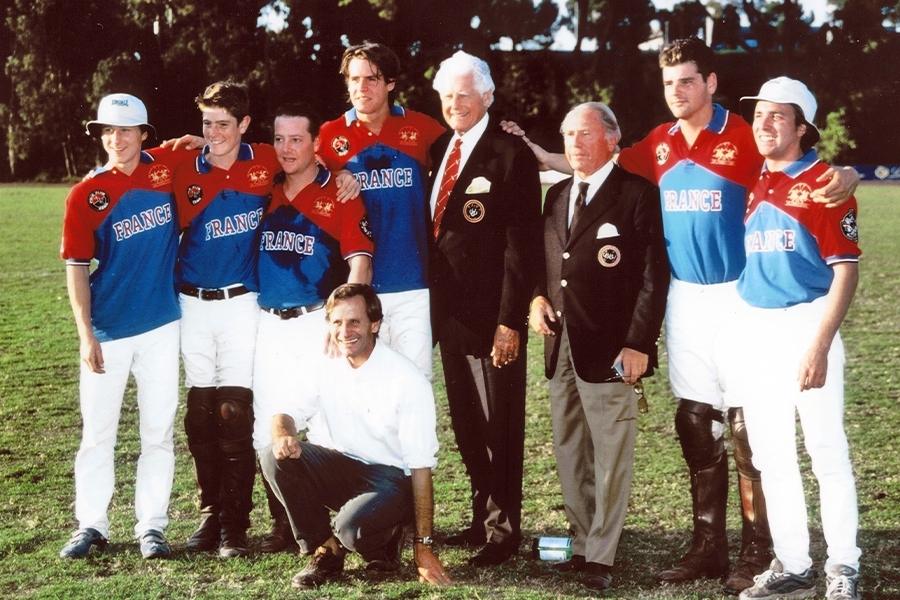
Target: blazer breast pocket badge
(473, 211)
(479, 185)
(607, 230)
(609, 256)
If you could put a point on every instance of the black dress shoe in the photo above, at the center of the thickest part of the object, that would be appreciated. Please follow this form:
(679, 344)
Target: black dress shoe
(493, 554)
(597, 577)
(470, 538)
(234, 543)
(571, 565)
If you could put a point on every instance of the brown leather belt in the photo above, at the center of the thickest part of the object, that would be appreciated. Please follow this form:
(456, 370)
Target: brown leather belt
(206, 294)
(295, 311)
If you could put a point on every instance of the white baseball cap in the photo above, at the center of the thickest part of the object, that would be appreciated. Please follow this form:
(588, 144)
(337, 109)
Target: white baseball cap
(121, 110)
(784, 90)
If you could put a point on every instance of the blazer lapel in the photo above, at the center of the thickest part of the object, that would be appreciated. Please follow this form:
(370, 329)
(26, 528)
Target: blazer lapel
(559, 215)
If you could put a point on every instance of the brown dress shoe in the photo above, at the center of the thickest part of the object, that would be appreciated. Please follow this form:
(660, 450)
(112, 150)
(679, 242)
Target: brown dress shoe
(597, 577)
(322, 565)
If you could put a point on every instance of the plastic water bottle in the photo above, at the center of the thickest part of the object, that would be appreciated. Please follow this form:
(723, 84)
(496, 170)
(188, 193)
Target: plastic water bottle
(552, 548)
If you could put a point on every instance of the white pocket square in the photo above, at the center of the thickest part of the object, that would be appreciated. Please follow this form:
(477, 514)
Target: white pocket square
(607, 230)
(479, 185)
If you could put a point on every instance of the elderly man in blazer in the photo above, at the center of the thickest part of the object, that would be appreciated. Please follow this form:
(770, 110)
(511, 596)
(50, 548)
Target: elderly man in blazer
(600, 303)
(485, 207)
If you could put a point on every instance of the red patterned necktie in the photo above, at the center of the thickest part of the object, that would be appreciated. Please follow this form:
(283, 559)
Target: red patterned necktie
(451, 171)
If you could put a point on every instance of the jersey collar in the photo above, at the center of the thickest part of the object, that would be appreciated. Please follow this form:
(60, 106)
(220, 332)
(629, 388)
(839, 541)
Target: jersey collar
(145, 159)
(800, 166)
(716, 124)
(203, 166)
(350, 116)
(323, 176)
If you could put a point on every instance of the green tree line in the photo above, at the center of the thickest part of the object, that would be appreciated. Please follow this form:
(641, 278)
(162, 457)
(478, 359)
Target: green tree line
(63, 55)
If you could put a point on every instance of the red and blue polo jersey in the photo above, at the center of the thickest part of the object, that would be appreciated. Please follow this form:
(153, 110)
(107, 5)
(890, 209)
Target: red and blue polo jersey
(127, 223)
(703, 191)
(220, 211)
(791, 241)
(305, 243)
(390, 170)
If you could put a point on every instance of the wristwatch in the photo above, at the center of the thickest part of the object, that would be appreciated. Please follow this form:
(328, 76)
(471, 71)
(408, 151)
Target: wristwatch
(425, 540)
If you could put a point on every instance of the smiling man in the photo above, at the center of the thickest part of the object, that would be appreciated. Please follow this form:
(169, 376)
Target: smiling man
(221, 197)
(375, 467)
(386, 147)
(310, 243)
(801, 274)
(122, 215)
(486, 209)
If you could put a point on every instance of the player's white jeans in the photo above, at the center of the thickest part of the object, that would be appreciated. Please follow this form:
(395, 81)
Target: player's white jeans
(153, 358)
(407, 326)
(765, 380)
(218, 338)
(288, 357)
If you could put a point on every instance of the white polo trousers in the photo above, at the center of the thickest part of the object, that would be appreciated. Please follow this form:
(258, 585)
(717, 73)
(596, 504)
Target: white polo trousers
(153, 359)
(289, 355)
(773, 343)
(218, 339)
(407, 326)
(696, 316)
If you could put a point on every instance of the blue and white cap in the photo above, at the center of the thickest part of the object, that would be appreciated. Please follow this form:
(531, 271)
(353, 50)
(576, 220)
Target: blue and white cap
(121, 110)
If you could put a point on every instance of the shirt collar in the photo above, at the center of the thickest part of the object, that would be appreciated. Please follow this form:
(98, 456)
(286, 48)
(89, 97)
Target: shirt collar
(245, 152)
(799, 166)
(396, 111)
(597, 177)
(471, 137)
(716, 124)
(145, 158)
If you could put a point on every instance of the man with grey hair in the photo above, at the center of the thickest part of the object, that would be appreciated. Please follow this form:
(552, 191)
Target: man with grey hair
(485, 207)
(599, 304)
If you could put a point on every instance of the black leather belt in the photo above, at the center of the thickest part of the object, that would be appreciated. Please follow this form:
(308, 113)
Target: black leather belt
(295, 311)
(222, 294)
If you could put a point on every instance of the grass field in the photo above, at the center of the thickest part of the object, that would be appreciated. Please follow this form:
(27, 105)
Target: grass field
(40, 431)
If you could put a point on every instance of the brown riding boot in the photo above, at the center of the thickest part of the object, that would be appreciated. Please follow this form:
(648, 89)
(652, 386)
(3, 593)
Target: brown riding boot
(708, 554)
(756, 541)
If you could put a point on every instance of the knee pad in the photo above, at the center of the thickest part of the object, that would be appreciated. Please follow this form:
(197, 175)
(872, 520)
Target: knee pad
(743, 454)
(694, 425)
(234, 414)
(199, 420)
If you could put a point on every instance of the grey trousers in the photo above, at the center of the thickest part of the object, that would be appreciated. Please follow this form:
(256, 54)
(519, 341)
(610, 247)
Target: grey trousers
(594, 431)
(370, 500)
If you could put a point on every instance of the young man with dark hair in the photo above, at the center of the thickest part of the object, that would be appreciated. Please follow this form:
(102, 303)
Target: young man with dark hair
(221, 198)
(310, 243)
(386, 147)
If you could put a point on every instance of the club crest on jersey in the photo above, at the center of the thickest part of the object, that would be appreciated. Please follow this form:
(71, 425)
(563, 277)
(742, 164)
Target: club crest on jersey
(340, 145)
(365, 227)
(194, 194)
(662, 153)
(160, 175)
(849, 226)
(724, 154)
(473, 211)
(609, 256)
(98, 200)
(323, 206)
(258, 176)
(798, 196)
(409, 136)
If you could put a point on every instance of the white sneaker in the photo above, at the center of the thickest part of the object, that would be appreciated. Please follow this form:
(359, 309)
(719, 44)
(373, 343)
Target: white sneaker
(842, 582)
(775, 583)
